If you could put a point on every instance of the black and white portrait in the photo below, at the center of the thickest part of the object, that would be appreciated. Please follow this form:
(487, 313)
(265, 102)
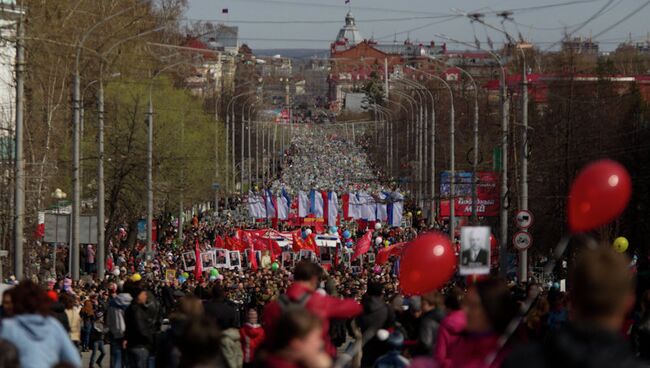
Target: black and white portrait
(189, 261)
(474, 250)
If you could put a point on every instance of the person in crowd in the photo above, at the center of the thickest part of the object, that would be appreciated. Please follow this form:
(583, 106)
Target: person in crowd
(139, 329)
(9, 357)
(90, 259)
(558, 313)
(376, 315)
(641, 330)
(221, 309)
(298, 343)
(87, 314)
(602, 293)
(97, 339)
(58, 310)
(198, 342)
(302, 293)
(451, 326)
(168, 353)
(489, 307)
(7, 304)
(40, 339)
(116, 325)
(432, 316)
(251, 337)
(394, 357)
(72, 311)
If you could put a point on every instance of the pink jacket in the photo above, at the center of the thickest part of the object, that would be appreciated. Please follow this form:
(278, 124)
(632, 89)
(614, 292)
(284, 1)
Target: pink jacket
(449, 333)
(471, 351)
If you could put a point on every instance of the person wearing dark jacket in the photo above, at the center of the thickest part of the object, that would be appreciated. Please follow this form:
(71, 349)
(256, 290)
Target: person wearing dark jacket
(432, 316)
(58, 310)
(139, 330)
(602, 293)
(376, 315)
(218, 308)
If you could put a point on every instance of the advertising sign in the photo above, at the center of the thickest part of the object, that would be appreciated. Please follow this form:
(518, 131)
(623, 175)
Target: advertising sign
(487, 193)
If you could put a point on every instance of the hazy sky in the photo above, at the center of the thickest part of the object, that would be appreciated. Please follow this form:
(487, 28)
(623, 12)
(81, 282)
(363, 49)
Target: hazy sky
(314, 23)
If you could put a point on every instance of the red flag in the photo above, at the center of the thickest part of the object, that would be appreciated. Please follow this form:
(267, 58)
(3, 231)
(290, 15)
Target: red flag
(311, 244)
(298, 243)
(198, 269)
(384, 254)
(252, 259)
(363, 245)
(345, 200)
(218, 242)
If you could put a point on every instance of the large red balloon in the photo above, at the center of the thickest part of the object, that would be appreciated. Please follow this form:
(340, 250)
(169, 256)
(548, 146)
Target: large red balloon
(598, 195)
(427, 263)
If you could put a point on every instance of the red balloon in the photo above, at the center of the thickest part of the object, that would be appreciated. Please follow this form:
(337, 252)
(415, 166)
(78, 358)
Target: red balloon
(598, 195)
(427, 263)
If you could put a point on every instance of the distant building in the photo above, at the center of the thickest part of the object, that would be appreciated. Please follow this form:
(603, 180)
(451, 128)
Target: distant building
(274, 66)
(580, 45)
(214, 70)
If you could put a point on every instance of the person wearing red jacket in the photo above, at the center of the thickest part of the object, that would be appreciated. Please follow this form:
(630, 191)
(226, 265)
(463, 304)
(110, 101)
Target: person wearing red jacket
(302, 292)
(251, 337)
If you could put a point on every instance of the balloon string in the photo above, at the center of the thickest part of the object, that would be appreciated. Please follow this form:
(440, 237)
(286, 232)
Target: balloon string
(527, 306)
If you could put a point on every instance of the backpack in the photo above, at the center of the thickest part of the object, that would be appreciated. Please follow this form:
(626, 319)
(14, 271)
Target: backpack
(287, 305)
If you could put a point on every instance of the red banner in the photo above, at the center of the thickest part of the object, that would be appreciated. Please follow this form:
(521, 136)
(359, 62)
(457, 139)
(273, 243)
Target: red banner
(487, 193)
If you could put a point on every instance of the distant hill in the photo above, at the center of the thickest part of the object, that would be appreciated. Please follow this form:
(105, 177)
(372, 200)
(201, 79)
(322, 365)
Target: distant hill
(293, 53)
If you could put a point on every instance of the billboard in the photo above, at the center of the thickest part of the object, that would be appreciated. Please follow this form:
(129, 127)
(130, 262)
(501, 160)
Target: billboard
(487, 193)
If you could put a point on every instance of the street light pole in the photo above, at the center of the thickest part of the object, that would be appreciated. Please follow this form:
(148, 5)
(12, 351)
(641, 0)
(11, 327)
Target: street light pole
(19, 192)
(452, 154)
(503, 192)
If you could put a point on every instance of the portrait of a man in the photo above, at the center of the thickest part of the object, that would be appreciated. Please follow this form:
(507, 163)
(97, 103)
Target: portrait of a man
(475, 250)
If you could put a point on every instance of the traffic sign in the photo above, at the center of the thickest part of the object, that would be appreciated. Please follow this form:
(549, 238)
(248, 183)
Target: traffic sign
(524, 219)
(522, 240)
(215, 186)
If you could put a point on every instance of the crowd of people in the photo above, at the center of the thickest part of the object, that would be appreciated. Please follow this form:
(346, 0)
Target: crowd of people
(150, 310)
(305, 317)
(322, 159)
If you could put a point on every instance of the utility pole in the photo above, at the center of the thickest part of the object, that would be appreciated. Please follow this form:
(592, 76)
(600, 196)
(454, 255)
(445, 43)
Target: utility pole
(149, 175)
(386, 77)
(76, 190)
(216, 150)
(523, 255)
(101, 250)
(19, 190)
(503, 238)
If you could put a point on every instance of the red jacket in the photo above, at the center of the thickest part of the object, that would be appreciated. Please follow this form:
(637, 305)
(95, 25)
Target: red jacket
(251, 337)
(449, 333)
(325, 307)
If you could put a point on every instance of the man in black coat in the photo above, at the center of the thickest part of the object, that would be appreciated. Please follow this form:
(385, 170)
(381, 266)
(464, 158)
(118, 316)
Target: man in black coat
(140, 326)
(602, 294)
(376, 315)
(221, 310)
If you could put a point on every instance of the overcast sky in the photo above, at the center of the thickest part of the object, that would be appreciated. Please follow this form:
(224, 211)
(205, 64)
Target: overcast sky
(314, 23)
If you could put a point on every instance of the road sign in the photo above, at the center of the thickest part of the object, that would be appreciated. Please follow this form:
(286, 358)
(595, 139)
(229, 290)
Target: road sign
(524, 219)
(522, 240)
(216, 186)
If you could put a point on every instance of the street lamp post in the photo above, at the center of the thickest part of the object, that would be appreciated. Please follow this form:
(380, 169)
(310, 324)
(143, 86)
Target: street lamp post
(433, 148)
(503, 193)
(452, 154)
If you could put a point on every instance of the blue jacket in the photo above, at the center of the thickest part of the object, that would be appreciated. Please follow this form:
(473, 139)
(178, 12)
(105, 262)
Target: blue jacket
(41, 341)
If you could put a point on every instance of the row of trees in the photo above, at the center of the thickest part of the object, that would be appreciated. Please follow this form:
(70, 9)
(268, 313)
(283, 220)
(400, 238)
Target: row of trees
(119, 44)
